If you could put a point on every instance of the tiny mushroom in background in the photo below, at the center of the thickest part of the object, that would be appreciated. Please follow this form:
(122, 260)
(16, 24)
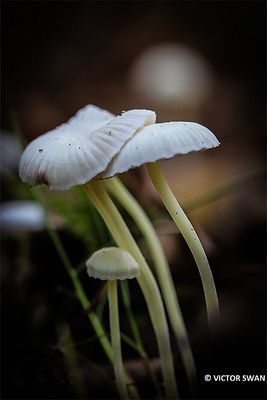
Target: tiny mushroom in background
(111, 264)
(21, 216)
(162, 141)
(76, 153)
(19, 219)
(172, 74)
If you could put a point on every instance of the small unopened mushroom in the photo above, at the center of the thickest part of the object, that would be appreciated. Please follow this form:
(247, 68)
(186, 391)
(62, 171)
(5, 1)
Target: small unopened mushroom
(112, 263)
(162, 141)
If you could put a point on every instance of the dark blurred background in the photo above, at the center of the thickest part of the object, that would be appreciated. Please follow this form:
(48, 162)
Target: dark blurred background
(200, 61)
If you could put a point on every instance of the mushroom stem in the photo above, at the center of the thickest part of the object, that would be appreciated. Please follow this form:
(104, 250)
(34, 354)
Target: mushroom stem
(165, 279)
(124, 239)
(116, 340)
(190, 236)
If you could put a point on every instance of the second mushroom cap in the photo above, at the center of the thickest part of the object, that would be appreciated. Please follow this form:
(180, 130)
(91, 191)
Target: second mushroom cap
(158, 142)
(111, 263)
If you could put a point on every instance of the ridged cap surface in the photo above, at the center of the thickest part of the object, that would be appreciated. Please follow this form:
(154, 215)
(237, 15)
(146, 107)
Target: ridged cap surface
(111, 263)
(161, 141)
(77, 151)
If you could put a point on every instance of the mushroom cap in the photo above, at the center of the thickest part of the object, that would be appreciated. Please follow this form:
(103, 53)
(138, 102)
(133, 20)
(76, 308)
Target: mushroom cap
(160, 141)
(111, 263)
(77, 151)
(22, 216)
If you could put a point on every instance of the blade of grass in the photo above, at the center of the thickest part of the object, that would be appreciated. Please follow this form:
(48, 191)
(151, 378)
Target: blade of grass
(102, 304)
(73, 275)
(124, 286)
(137, 343)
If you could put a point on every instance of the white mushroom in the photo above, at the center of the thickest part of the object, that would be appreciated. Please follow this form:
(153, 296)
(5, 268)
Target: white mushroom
(76, 151)
(112, 263)
(162, 141)
(56, 160)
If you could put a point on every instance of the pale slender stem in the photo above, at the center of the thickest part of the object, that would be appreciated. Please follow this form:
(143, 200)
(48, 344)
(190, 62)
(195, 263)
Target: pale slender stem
(116, 339)
(162, 268)
(146, 280)
(190, 236)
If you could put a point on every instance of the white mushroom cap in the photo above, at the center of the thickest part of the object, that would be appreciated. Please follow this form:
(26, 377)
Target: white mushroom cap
(21, 216)
(111, 263)
(77, 151)
(161, 141)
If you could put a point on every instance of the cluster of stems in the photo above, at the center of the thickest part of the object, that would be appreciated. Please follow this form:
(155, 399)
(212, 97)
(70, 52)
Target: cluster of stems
(134, 209)
(146, 280)
(120, 232)
(96, 190)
